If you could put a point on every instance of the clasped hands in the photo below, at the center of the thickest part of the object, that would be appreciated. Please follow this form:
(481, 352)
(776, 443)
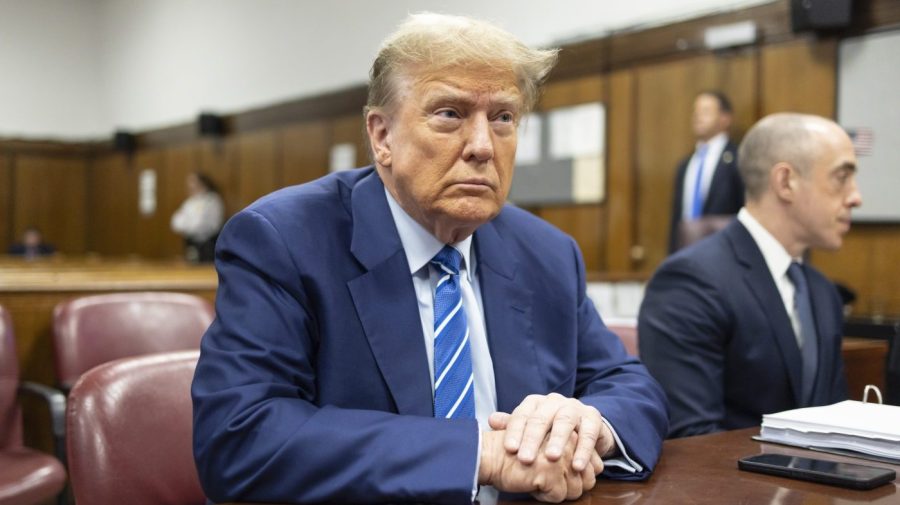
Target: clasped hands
(550, 446)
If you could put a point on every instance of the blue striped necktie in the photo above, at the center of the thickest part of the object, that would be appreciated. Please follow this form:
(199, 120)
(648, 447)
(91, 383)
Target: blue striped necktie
(454, 394)
(809, 348)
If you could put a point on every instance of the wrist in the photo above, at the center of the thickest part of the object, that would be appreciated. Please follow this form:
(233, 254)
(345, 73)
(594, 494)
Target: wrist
(487, 461)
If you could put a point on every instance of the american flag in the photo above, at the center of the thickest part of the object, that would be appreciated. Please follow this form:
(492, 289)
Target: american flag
(862, 140)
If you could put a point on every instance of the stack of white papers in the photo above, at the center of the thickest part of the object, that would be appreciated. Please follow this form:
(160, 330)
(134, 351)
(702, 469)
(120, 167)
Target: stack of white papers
(866, 428)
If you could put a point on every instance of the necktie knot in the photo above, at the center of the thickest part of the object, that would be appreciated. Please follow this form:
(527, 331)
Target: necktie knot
(448, 260)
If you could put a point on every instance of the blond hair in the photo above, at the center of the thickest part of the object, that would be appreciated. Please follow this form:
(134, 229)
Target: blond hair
(428, 43)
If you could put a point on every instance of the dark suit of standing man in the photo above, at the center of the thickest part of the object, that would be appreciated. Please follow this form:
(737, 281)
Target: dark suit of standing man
(315, 382)
(737, 325)
(707, 182)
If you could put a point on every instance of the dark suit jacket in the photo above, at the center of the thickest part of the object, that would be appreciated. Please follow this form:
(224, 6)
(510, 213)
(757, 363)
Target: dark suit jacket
(22, 250)
(714, 331)
(725, 196)
(313, 381)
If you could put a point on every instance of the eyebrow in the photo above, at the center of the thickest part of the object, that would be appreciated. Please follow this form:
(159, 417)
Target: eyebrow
(453, 95)
(847, 165)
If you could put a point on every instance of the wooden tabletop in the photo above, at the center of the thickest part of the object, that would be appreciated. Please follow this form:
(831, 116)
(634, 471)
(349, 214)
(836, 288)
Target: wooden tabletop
(703, 470)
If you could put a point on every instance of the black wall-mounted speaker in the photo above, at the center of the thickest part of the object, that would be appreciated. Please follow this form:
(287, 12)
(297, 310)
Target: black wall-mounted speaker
(124, 141)
(820, 14)
(210, 125)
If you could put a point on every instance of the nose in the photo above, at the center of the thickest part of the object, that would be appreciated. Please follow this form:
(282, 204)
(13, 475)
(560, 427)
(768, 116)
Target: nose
(854, 199)
(479, 142)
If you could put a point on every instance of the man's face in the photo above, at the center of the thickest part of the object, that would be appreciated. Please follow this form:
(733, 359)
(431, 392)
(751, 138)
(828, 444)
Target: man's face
(827, 192)
(32, 238)
(447, 148)
(708, 119)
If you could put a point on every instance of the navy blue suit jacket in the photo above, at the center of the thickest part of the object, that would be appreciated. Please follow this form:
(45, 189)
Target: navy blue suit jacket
(725, 195)
(313, 381)
(714, 331)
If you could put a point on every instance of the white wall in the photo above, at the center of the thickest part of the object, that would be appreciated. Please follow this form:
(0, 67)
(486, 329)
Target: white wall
(160, 62)
(49, 72)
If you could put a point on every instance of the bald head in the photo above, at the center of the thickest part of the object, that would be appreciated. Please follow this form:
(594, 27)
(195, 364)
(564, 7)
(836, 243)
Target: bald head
(789, 138)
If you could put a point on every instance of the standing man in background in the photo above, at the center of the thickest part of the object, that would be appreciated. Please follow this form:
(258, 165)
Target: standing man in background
(707, 182)
(738, 325)
(397, 333)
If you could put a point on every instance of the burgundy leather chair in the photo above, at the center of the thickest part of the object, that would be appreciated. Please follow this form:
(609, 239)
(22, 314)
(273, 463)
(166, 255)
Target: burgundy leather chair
(129, 432)
(628, 335)
(91, 330)
(26, 476)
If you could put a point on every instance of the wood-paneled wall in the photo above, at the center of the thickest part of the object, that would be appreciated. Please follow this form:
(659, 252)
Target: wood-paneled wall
(646, 79)
(46, 190)
(244, 167)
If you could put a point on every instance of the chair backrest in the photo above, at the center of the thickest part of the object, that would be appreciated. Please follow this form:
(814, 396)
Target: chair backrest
(91, 330)
(628, 335)
(10, 413)
(690, 231)
(129, 428)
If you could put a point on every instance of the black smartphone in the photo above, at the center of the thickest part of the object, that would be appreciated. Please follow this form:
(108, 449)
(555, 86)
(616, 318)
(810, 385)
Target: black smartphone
(848, 475)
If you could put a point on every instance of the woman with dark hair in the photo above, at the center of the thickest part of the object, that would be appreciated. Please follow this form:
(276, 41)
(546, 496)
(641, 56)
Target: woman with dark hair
(199, 218)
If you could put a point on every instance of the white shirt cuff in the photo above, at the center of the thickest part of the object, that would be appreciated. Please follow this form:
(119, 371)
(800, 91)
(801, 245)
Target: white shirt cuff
(623, 461)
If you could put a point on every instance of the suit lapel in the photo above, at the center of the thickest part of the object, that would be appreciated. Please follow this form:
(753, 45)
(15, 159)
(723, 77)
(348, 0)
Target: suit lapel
(509, 321)
(718, 180)
(759, 279)
(822, 316)
(385, 300)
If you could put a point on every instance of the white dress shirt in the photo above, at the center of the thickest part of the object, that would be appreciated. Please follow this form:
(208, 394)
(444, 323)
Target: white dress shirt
(715, 147)
(778, 260)
(200, 216)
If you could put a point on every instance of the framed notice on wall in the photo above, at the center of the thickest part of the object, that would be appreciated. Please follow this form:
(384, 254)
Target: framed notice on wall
(560, 158)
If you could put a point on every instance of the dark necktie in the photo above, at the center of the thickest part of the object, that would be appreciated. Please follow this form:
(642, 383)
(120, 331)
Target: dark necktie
(454, 389)
(809, 342)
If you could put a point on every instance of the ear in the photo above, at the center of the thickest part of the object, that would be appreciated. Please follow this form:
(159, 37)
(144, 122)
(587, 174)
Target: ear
(378, 127)
(783, 181)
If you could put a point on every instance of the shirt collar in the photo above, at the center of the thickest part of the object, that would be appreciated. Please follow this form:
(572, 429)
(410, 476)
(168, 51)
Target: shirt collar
(420, 245)
(715, 144)
(777, 258)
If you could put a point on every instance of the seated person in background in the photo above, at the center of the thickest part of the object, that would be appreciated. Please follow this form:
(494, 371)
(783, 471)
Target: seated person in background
(32, 245)
(396, 333)
(737, 325)
(199, 218)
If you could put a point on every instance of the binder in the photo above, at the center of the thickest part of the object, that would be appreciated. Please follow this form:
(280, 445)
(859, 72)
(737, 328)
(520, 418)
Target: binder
(849, 428)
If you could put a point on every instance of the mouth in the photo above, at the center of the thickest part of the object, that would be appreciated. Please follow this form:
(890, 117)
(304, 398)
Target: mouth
(474, 184)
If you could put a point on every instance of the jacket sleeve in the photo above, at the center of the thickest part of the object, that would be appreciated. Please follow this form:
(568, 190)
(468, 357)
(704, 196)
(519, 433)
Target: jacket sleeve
(259, 433)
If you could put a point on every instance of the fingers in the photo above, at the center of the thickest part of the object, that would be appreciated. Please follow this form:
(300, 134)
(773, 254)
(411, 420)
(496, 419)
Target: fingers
(589, 428)
(517, 421)
(498, 420)
(596, 464)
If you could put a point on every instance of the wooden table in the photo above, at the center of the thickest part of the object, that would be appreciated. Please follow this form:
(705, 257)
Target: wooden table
(703, 470)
